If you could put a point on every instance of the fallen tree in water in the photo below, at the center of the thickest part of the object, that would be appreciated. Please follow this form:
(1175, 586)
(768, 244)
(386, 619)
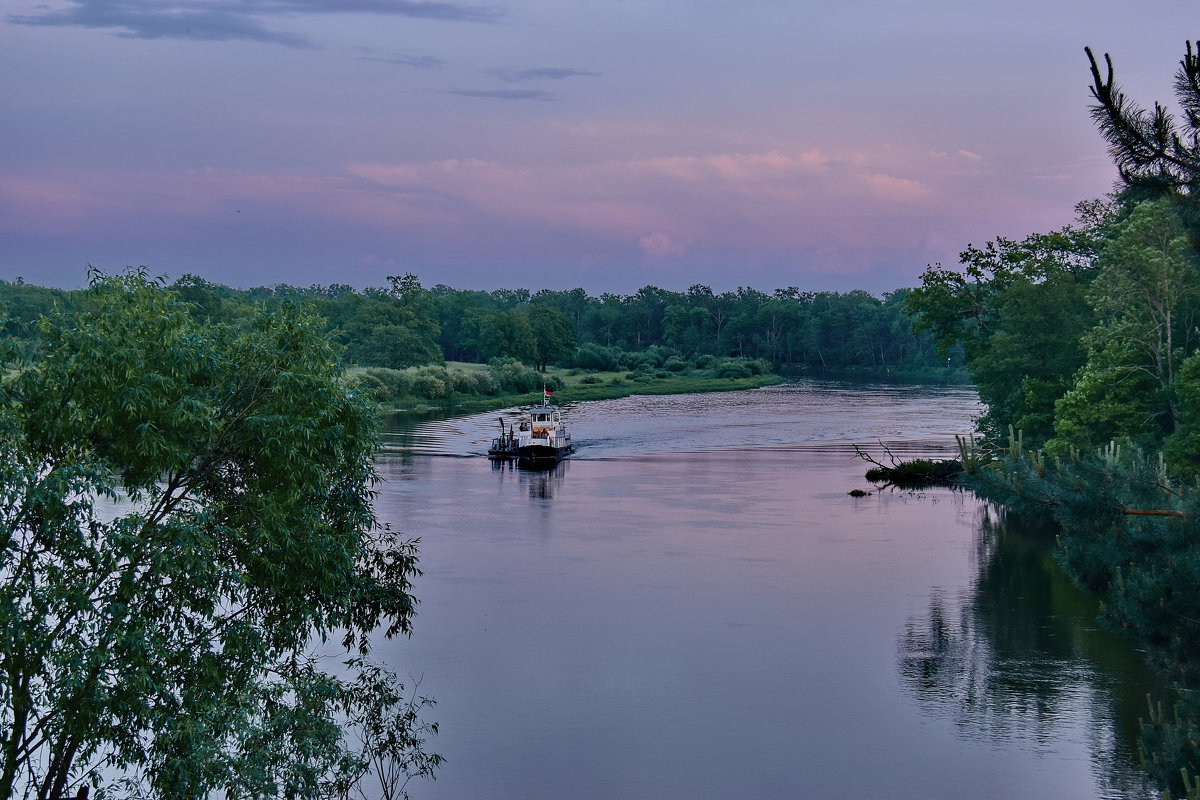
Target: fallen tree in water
(919, 473)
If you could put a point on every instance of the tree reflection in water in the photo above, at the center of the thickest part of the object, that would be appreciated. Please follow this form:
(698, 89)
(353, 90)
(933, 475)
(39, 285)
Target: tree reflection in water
(1019, 655)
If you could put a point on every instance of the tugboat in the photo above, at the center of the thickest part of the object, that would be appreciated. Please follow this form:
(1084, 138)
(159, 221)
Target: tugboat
(540, 439)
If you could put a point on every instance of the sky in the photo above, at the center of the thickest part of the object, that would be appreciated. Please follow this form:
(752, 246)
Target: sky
(553, 144)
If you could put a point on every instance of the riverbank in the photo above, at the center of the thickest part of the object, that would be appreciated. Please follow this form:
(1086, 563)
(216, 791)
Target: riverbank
(577, 386)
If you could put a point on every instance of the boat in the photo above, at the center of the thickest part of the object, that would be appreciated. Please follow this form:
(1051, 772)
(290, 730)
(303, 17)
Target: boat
(540, 439)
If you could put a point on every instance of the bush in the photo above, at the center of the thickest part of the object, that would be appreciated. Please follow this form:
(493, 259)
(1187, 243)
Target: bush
(430, 383)
(595, 356)
(675, 364)
(463, 382)
(393, 382)
(656, 354)
(373, 387)
(484, 383)
(731, 368)
(591, 379)
(511, 376)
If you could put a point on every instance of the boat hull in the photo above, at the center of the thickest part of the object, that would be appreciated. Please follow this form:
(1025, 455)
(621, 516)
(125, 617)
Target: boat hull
(541, 454)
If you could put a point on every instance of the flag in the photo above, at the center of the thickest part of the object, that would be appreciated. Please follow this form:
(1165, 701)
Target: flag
(546, 392)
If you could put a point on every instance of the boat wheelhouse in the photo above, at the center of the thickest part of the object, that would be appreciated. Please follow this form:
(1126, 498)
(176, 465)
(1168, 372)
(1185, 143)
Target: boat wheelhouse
(541, 438)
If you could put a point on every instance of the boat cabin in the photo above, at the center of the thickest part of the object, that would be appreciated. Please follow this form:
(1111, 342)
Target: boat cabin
(543, 419)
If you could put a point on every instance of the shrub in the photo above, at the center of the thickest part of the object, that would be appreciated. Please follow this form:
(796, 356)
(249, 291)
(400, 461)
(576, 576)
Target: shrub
(370, 385)
(731, 368)
(394, 381)
(510, 375)
(463, 382)
(430, 383)
(595, 356)
(485, 383)
(591, 379)
(657, 354)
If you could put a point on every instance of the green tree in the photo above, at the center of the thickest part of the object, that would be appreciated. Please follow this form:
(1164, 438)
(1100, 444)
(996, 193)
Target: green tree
(1019, 309)
(554, 338)
(171, 640)
(387, 329)
(1145, 299)
(507, 334)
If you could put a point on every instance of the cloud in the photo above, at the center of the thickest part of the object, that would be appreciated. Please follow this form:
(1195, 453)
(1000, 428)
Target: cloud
(402, 59)
(773, 201)
(819, 210)
(505, 94)
(661, 245)
(896, 188)
(540, 73)
(232, 20)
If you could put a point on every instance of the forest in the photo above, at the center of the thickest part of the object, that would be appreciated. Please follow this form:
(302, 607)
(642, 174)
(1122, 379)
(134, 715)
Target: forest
(404, 325)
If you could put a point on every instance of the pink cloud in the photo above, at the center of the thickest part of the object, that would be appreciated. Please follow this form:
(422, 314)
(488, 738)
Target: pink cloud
(826, 209)
(661, 245)
(896, 188)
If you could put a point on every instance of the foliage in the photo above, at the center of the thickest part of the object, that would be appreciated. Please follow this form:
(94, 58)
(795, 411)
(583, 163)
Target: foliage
(168, 640)
(1128, 532)
(406, 325)
(1145, 300)
(1019, 310)
(1150, 150)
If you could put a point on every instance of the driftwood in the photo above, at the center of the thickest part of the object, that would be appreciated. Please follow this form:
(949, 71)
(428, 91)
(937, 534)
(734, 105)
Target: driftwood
(917, 473)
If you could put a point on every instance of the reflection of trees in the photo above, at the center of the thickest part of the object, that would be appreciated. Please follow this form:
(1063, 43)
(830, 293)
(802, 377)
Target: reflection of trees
(1019, 655)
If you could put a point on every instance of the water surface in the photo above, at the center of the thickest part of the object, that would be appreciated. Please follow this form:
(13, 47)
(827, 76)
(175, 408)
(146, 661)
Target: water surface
(693, 607)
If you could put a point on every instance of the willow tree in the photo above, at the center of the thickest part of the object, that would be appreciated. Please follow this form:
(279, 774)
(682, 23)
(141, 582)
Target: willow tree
(185, 512)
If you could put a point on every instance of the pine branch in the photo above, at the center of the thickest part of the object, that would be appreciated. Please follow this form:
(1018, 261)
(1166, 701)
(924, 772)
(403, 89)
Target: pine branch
(1145, 147)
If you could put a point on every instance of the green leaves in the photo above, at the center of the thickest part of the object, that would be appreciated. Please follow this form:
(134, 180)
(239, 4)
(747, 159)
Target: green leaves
(166, 638)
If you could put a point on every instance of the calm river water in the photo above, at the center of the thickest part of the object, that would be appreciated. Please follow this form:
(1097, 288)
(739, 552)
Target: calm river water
(693, 607)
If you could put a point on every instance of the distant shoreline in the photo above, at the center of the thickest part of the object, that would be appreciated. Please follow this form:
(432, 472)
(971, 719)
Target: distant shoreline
(615, 385)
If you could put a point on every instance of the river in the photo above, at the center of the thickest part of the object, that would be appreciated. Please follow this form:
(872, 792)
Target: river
(693, 607)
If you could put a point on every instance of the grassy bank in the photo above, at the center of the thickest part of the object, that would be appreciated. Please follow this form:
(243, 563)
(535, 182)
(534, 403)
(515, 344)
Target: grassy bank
(465, 388)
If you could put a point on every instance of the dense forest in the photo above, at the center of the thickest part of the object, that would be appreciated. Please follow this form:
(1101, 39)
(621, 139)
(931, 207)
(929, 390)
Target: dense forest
(1083, 344)
(405, 324)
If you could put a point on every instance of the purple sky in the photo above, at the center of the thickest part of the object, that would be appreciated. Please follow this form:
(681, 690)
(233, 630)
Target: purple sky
(607, 144)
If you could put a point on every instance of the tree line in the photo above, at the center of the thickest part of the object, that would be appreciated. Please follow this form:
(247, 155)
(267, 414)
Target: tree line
(1084, 346)
(405, 324)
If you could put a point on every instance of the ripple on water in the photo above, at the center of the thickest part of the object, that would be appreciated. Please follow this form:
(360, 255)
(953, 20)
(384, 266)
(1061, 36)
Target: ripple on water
(802, 415)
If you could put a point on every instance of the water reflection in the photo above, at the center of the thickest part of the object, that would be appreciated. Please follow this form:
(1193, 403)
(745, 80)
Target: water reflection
(540, 480)
(702, 584)
(1019, 656)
